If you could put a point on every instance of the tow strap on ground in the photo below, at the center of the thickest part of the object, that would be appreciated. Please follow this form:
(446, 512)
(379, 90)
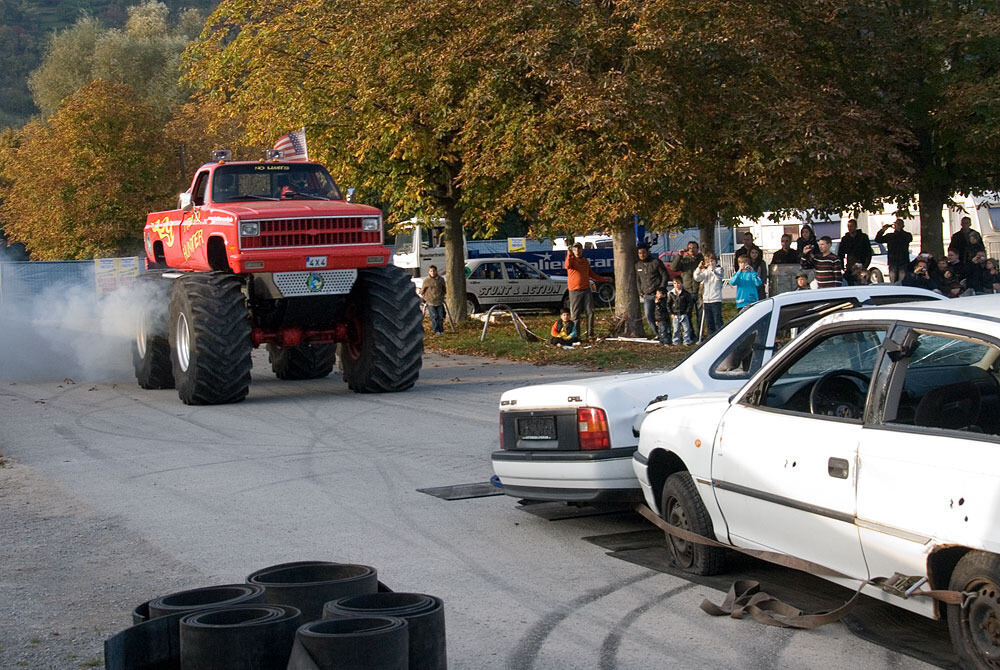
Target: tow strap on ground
(745, 596)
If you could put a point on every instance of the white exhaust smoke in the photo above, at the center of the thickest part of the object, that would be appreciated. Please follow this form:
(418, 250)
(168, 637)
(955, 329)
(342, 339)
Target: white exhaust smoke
(67, 332)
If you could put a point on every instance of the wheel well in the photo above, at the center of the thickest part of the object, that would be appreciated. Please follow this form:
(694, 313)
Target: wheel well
(662, 464)
(217, 259)
(940, 566)
(158, 256)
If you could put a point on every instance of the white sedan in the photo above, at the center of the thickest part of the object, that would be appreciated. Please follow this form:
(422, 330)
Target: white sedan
(574, 441)
(513, 282)
(870, 446)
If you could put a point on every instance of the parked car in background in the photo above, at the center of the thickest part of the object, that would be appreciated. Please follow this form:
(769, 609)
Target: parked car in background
(513, 282)
(574, 440)
(870, 445)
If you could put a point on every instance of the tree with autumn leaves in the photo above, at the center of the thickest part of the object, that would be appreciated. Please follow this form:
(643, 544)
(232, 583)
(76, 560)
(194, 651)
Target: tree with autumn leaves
(583, 115)
(80, 182)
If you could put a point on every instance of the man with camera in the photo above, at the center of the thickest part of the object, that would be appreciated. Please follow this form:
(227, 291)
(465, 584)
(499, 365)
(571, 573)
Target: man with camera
(920, 276)
(578, 278)
(897, 245)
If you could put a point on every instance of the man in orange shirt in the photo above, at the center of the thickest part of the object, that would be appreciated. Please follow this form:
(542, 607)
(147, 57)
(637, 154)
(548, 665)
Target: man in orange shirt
(578, 277)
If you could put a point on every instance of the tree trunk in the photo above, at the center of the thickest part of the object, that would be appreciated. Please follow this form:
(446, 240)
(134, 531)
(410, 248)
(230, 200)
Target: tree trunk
(931, 222)
(707, 236)
(626, 293)
(454, 261)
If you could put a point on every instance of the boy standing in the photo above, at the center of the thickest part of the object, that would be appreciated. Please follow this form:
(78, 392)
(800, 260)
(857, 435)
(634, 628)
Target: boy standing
(661, 314)
(746, 281)
(709, 274)
(679, 303)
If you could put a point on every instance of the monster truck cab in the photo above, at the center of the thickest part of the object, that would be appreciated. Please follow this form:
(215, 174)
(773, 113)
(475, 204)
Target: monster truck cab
(265, 217)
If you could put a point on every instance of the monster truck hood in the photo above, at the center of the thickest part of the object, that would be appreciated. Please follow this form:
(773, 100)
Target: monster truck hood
(295, 209)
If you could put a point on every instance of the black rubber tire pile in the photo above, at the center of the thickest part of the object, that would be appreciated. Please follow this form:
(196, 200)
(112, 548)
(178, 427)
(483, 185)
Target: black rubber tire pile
(307, 615)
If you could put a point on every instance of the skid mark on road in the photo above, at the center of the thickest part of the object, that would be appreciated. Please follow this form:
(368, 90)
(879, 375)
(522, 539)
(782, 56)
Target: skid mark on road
(613, 640)
(528, 648)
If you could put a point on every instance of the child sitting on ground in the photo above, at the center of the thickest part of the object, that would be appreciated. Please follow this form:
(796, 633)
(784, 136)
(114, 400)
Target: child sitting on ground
(564, 331)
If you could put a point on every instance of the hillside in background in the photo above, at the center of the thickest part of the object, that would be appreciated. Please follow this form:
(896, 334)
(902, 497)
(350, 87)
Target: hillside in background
(25, 26)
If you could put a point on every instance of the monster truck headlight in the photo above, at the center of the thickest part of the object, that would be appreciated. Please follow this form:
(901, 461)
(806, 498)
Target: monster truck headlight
(249, 229)
(371, 224)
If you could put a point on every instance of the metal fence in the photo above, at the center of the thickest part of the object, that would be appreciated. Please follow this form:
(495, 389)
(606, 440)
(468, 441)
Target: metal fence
(25, 281)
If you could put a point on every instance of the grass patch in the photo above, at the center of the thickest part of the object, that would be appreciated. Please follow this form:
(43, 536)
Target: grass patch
(502, 341)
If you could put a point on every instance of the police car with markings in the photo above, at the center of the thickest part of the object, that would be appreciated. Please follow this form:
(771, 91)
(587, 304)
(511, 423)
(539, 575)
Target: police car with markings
(513, 282)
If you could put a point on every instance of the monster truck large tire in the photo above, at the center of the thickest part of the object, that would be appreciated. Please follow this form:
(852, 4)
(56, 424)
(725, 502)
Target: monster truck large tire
(386, 344)
(210, 338)
(307, 361)
(151, 346)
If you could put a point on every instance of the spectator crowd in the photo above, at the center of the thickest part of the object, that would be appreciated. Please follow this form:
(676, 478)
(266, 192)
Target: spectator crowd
(673, 308)
(684, 305)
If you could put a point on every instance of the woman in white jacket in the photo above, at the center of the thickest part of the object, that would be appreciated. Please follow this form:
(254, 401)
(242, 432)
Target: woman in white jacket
(709, 275)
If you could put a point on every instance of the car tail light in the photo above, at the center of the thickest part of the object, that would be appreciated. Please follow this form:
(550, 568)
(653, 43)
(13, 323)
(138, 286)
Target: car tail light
(502, 446)
(592, 425)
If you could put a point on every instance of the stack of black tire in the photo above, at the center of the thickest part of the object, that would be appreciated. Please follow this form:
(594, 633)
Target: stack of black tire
(307, 615)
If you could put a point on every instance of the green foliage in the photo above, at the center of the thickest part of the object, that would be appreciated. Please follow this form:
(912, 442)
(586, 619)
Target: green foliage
(82, 182)
(502, 341)
(145, 55)
(26, 27)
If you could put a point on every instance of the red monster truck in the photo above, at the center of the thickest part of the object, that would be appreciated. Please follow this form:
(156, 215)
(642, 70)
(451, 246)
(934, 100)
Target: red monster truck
(269, 252)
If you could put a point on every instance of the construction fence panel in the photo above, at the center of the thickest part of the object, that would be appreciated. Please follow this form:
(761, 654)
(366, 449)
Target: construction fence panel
(22, 282)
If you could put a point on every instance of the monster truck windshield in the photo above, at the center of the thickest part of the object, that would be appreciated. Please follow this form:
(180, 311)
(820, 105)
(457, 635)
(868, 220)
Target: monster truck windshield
(272, 181)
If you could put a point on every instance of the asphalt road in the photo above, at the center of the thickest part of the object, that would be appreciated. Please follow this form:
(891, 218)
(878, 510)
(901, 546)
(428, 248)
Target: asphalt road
(310, 471)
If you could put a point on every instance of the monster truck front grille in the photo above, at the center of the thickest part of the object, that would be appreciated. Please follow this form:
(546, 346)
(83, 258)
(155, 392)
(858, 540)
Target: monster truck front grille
(325, 282)
(313, 232)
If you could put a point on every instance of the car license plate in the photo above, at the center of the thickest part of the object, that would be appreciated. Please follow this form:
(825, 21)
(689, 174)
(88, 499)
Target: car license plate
(315, 261)
(536, 428)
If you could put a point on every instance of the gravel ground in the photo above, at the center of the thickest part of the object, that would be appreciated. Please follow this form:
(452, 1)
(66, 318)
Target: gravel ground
(72, 577)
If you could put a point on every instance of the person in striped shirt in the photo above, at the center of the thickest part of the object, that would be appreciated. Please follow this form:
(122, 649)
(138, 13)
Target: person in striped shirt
(829, 270)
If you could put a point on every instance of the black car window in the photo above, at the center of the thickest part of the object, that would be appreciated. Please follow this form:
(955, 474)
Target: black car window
(200, 188)
(828, 378)
(743, 357)
(487, 271)
(945, 381)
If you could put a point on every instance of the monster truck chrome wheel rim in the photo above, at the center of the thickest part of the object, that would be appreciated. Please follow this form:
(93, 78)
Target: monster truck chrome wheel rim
(140, 336)
(183, 342)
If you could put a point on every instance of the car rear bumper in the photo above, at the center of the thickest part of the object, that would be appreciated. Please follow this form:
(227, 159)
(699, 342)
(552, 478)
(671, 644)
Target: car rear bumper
(590, 476)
